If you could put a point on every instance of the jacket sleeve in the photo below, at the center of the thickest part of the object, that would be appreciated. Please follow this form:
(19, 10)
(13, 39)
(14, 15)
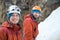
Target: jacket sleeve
(2, 35)
(27, 30)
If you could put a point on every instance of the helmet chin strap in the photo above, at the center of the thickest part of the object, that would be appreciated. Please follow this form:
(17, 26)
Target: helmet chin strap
(33, 17)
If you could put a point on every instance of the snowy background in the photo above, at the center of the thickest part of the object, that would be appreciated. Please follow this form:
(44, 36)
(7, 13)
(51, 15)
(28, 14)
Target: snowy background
(49, 27)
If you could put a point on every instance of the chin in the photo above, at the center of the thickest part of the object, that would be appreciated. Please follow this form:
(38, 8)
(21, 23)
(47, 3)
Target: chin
(36, 16)
(15, 22)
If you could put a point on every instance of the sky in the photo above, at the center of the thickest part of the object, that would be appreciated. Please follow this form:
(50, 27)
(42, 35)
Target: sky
(49, 26)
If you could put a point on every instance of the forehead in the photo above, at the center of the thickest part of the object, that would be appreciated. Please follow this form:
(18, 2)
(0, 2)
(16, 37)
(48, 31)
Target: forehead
(15, 13)
(36, 13)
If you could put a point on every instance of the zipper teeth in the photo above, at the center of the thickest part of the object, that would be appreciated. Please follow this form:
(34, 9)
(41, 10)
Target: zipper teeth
(12, 35)
(17, 36)
(22, 34)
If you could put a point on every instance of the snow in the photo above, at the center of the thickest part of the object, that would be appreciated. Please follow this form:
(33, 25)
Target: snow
(49, 27)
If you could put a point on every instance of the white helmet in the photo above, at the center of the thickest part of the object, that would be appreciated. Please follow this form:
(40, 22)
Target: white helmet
(14, 9)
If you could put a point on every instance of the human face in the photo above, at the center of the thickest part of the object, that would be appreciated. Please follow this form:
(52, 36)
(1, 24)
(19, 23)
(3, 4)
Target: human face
(36, 15)
(14, 18)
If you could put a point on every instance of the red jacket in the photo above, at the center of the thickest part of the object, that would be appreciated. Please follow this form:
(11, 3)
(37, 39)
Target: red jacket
(10, 32)
(30, 28)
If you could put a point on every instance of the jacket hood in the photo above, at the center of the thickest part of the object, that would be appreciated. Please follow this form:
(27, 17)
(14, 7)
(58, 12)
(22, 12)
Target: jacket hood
(27, 16)
(7, 25)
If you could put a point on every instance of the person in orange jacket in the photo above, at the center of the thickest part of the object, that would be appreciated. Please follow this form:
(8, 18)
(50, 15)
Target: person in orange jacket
(30, 26)
(11, 29)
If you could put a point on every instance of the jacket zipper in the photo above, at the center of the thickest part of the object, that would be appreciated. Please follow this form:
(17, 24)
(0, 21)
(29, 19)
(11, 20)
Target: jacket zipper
(16, 35)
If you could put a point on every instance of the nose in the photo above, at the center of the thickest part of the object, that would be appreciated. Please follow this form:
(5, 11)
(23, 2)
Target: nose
(14, 16)
(37, 14)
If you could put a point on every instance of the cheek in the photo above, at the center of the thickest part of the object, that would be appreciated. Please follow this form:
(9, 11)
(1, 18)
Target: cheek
(38, 15)
(18, 17)
(11, 19)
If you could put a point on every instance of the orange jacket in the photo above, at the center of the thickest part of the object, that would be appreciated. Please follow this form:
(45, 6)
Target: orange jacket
(10, 32)
(30, 28)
